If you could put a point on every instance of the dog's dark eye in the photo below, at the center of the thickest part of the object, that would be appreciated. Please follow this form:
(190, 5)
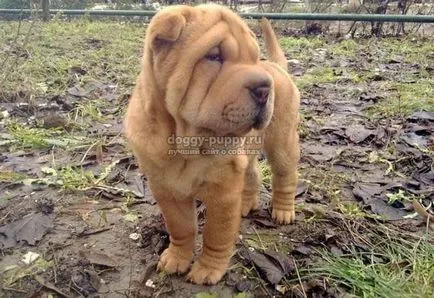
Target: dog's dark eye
(214, 57)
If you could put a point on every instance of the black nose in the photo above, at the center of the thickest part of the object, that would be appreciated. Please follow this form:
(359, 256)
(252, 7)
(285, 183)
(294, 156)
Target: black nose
(260, 95)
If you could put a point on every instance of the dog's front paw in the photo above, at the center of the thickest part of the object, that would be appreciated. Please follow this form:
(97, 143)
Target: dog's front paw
(283, 217)
(171, 261)
(201, 274)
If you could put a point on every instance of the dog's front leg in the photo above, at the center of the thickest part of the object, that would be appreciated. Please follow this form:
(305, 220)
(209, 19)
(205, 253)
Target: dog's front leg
(180, 219)
(223, 215)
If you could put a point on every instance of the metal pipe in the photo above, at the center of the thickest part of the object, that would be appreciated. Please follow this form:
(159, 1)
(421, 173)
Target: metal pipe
(343, 17)
(45, 4)
(275, 16)
(123, 13)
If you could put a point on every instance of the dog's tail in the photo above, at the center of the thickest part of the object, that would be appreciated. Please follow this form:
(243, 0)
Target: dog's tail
(275, 53)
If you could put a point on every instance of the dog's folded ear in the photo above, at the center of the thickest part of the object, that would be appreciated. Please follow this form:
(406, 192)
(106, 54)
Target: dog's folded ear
(165, 28)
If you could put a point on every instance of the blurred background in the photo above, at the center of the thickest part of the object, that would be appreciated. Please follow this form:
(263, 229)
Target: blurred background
(401, 7)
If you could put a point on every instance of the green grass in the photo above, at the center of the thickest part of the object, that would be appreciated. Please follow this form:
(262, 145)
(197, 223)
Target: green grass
(267, 240)
(67, 178)
(91, 109)
(345, 48)
(408, 49)
(45, 55)
(400, 196)
(301, 48)
(26, 137)
(9, 176)
(325, 180)
(404, 99)
(317, 75)
(352, 210)
(75, 178)
(30, 137)
(301, 43)
(265, 172)
(394, 266)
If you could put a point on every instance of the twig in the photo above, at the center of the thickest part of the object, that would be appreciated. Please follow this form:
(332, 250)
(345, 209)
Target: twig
(88, 150)
(55, 264)
(6, 215)
(13, 290)
(259, 237)
(299, 278)
(97, 231)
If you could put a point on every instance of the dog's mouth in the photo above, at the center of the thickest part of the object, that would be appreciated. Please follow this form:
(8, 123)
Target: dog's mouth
(260, 119)
(258, 123)
(257, 120)
(238, 123)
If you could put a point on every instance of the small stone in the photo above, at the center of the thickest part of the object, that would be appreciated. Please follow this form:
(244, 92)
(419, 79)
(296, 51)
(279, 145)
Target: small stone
(135, 236)
(30, 257)
(150, 284)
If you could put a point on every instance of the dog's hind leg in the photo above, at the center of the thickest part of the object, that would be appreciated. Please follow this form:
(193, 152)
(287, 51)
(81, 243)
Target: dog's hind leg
(251, 187)
(283, 154)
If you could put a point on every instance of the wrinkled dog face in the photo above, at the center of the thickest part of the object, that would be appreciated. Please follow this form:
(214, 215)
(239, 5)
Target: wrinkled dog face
(210, 74)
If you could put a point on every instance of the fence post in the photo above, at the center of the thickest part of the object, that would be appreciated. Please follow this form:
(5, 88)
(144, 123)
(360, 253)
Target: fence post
(45, 4)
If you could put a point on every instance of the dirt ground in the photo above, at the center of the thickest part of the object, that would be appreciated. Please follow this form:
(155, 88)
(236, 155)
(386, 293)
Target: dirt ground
(71, 193)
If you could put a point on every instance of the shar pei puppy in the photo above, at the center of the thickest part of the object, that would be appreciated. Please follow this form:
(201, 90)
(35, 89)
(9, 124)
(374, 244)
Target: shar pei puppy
(201, 93)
